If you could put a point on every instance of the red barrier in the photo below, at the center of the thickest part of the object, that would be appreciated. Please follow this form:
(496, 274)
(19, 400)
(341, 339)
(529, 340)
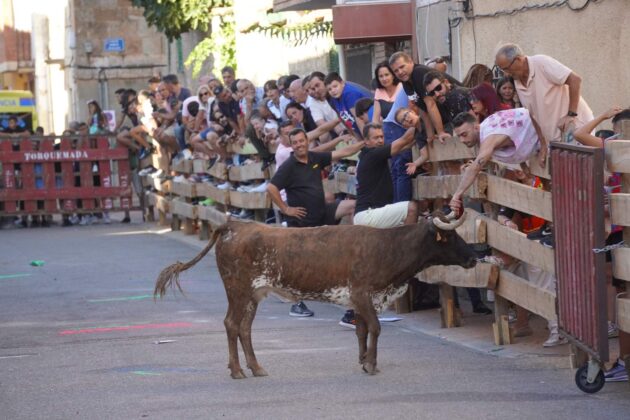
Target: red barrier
(45, 175)
(577, 184)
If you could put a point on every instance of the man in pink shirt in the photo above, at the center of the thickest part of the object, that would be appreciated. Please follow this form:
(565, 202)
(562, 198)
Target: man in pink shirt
(548, 89)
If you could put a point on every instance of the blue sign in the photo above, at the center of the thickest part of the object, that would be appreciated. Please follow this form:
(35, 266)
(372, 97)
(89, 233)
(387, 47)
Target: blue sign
(114, 45)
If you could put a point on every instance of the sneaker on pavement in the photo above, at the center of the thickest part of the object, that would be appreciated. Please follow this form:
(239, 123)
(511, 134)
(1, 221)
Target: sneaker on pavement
(126, 220)
(554, 339)
(617, 373)
(349, 320)
(106, 219)
(301, 310)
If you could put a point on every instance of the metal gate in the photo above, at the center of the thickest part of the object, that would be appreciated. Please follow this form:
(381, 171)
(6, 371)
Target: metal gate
(577, 174)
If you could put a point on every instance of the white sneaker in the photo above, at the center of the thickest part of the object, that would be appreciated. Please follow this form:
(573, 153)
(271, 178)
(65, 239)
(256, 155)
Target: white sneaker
(554, 339)
(224, 186)
(259, 188)
(85, 220)
(74, 219)
(187, 154)
(106, 219)
(179, 178)
(157, 174)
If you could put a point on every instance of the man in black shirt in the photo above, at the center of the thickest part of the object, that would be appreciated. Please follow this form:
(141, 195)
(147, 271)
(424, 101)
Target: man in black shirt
(412, 76)
(452, 99)
(375, 191)
(301, 177)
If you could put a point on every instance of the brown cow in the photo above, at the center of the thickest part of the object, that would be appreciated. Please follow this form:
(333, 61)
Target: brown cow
(360, 267)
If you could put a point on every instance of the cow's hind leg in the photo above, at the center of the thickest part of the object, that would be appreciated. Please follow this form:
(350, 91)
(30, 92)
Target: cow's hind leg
(232, 323)
(366, 310)
(245, 335)
(362, 334)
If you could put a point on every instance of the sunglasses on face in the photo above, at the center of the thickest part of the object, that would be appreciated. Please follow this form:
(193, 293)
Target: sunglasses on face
(204, 94)
(438, 88)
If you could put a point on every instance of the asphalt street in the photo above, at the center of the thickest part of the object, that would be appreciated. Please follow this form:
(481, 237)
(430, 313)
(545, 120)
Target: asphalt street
(82, 338)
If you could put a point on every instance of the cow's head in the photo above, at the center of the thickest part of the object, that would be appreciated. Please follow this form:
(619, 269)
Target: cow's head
(451, 248)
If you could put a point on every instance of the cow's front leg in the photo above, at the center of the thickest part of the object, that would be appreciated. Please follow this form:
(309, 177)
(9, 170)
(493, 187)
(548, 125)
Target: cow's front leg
(245, 335)
(366, 310)
(362, 334)
(232, 322)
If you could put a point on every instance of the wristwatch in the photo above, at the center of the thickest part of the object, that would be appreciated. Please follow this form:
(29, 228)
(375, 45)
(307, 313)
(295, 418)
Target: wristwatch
(572, 114)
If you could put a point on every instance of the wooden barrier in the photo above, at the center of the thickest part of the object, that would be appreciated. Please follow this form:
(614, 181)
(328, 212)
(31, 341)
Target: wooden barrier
(618, 160)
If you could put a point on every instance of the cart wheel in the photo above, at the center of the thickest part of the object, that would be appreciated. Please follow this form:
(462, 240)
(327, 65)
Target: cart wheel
(581, 380)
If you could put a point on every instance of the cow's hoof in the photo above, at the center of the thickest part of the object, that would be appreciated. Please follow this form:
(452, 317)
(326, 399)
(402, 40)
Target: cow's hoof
(370, 368)
(238, 375)
(259, 372)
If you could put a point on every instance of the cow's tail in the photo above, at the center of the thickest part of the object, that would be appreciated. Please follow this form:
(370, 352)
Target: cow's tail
(170, 274)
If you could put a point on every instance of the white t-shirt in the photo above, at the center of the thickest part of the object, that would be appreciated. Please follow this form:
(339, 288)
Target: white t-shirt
(518, 126)
(321, 110)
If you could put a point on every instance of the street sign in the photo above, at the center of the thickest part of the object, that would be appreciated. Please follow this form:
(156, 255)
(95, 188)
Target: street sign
(114, 45)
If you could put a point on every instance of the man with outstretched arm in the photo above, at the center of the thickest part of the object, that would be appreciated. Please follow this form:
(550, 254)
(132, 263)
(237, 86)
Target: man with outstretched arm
(510, 136)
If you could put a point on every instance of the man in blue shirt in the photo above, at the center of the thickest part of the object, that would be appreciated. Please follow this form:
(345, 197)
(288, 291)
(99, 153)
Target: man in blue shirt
(343, 97)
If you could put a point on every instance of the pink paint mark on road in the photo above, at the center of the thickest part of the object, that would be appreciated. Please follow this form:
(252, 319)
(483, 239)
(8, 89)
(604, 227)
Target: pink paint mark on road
(127, 328)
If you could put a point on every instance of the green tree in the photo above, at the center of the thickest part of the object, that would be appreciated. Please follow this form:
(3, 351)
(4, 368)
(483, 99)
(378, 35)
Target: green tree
(176, 17)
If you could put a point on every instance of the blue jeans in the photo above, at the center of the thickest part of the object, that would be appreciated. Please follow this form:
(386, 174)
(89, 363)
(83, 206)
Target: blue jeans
(400, 179)
(180, 135)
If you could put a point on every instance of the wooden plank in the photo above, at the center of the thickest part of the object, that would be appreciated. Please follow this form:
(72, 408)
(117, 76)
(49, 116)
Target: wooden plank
(501, 325)
(520, 197)
(184, 209)
(620, 209)
(184, 189)
(618, 156)
(451, 149)
(523, 293)
(247, 172)
(247, 149)
(212, 215)
(473, 230)
(346, 183)
(199, 166)
(183, 166)
(205, 189)
(250, 200)
(219, 170)
(516, 244)
(483, 275)
(621, 263)
(444, 186)
(449, 314)
(538, 170)
(623, 314)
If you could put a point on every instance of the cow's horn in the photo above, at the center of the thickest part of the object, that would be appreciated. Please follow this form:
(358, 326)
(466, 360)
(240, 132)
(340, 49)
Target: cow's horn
(451, 225)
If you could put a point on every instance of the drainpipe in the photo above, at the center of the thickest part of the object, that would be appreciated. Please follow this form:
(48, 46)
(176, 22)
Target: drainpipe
(103, 89)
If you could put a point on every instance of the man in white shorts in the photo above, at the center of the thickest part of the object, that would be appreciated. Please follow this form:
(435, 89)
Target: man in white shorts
(375, 195)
